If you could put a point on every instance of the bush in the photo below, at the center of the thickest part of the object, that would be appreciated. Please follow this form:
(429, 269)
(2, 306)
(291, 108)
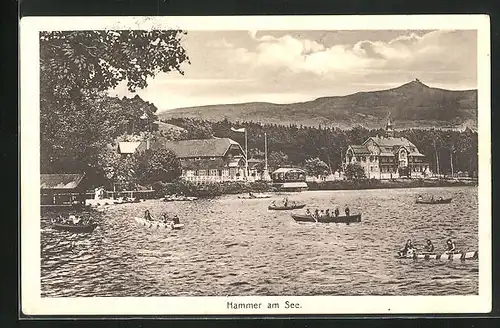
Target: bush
(187, 188)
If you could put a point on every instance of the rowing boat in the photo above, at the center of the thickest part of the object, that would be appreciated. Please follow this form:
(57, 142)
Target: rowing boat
(255, 196)
(444, 256)
(158, 224)
(173, 198)
(76, 228)
(435, 201)
(284, 208)
(327, 219)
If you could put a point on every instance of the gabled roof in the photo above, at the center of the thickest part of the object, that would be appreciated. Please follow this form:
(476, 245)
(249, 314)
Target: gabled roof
(60, 181)
(360, 150)
(201, 147)
(128, 147)
(391, 142)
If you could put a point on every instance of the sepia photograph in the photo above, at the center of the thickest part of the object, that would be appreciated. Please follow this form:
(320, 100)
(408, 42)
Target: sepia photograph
(255, 165)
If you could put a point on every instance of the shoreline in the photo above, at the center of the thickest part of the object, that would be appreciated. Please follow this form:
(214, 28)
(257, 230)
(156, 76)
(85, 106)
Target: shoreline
(234, 188)
(386, 184)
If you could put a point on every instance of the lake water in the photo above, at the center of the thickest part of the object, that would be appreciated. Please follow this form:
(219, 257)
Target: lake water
(231, 246)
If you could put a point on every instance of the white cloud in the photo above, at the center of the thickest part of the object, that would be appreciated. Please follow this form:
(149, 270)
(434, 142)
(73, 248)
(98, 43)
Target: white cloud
(309, 56)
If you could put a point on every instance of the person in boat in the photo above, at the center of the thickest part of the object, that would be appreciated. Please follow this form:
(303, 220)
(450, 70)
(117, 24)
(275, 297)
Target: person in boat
(337, 212)
(273, 203)
(432, 198)
(164, 218)
(450, 247)
(316, 213)
(429, 247)
(285, 201)
(72, 219)
(147, 215)
(327, 213)
(441, 198)
(176, 220)
(409, 249)
(347, 211)
(308, 212)
(420, 198)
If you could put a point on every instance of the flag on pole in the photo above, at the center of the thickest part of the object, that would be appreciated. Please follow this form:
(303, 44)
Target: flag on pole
(238, 130)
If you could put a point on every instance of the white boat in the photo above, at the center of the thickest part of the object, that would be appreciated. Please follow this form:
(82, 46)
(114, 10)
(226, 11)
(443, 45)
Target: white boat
(254, 196)
(158, 225)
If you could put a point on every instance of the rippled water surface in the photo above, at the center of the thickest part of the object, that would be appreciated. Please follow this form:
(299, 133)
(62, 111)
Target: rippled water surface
(231, 246)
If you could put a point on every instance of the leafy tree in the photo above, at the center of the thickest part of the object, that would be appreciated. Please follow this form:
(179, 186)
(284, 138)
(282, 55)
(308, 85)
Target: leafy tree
(77, 119)
(157, 165)
(354, 171)
(277, 159)
(316, 167)
(120, 170)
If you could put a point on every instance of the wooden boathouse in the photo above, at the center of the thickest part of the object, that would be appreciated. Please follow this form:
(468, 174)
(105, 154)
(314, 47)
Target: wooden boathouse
(62, 191)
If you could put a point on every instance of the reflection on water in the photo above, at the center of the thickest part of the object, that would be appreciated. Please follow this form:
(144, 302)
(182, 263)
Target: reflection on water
(231, 246)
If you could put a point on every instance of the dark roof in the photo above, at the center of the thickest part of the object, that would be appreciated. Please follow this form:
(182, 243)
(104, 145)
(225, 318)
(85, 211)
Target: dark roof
(201, 147)
(360, 150)
(204, 164)
(391, 142)
(60, 181)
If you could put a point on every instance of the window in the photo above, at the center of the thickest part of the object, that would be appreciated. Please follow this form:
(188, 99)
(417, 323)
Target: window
(202, 172)
(213, 173)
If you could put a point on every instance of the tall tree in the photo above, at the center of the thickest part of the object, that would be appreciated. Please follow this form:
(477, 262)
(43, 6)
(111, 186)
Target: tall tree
(315, 167)
(76, 67)
(157, 165)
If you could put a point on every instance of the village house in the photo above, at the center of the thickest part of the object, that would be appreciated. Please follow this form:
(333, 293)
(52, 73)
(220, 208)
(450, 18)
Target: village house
(387, 157)
(209, 160)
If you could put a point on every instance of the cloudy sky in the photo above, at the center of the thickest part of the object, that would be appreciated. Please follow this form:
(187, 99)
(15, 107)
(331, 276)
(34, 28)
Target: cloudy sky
(293, 66)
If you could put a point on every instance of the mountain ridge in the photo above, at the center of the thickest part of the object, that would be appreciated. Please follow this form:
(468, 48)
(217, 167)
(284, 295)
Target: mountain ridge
(411, 105)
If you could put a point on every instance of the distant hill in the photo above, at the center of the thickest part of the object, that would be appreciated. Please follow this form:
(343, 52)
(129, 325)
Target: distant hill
(412, 105)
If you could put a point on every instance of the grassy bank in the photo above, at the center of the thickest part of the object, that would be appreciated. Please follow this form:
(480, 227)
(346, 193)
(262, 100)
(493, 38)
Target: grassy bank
(384, 184)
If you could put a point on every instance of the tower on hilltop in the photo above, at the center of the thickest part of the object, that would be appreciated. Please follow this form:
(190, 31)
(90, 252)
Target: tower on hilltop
(389, 131)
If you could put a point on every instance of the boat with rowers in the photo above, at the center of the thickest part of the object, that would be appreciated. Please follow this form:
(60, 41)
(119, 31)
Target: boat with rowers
(165, 222)
(83, 223)
(327, 219)
(285, 205)
(284, 208)
(432, 201)
(158, 224)
(178, 198)
(254, 196)
(444, 256)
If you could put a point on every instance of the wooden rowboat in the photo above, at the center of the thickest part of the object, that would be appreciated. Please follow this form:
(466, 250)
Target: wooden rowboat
(455, 256)
(76, 228)
(284, 208)
(158, 224)
(327, 219)
(255, 196)
(435, 201)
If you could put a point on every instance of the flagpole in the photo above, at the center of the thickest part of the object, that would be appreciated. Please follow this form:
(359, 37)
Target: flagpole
(246, 155)
(265, 150)
(451, 161)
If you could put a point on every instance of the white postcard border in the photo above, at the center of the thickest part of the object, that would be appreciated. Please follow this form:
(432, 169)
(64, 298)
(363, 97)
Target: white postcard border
(31, 300)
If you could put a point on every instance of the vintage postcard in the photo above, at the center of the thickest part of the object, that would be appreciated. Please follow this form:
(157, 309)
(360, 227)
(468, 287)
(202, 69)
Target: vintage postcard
(252, 165)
